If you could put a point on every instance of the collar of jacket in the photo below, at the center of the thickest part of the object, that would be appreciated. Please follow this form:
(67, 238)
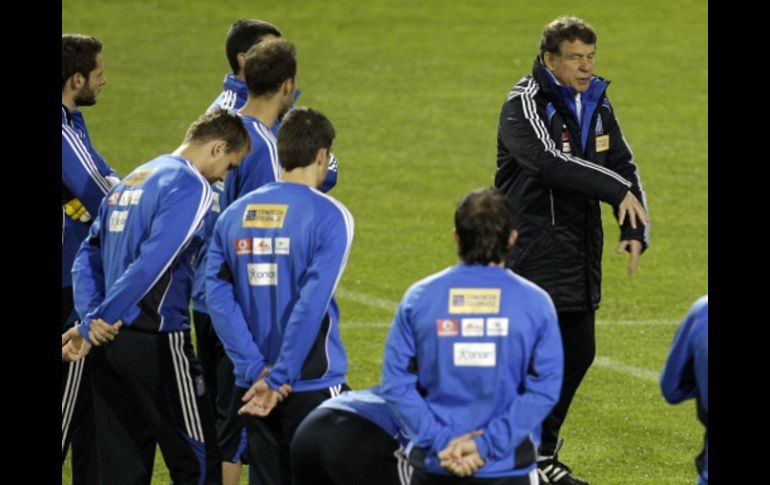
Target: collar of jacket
(65, 115)
(563, 97)
(234, 84)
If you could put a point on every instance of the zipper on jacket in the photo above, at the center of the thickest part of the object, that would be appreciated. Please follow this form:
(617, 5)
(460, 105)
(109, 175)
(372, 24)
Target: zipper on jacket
(553, 213)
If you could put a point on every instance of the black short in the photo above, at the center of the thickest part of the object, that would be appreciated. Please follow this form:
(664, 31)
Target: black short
(225, 396)
(269, 437)
(335, 447)
(420, 477)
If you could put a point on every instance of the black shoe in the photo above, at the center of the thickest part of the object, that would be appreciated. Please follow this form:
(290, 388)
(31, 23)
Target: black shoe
(551, 470)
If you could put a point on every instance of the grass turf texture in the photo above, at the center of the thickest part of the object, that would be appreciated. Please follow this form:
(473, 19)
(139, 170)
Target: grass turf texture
(414, 91)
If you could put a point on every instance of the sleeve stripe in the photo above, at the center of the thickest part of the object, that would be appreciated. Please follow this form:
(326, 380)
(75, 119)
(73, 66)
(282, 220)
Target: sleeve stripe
(349, 229)
(641, 188)
(84, 157)
(270, 141)
(530, 112)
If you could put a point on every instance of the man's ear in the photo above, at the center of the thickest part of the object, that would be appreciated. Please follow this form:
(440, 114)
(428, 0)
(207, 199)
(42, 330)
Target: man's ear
(76, 81)
(321, 156)
(512, 238)
(548, 60)
(287, 87)
(241, 57)
(218, 148)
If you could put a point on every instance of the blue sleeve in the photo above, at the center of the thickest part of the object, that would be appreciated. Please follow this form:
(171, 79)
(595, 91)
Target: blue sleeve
(82, 174)
(226, 314)
(88, 272)
(541, 389)
(678, 379)
(176, 220)
(316, 288)
(399, 386)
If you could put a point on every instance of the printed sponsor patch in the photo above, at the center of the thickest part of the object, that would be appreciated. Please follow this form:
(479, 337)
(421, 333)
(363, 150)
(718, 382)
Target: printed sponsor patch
(497, 327)
(447, 327)
(118, 221)
(475, 354)
(565, 145)
(215, 202)
(282, 245)
(473, 327)
(125, 198)
(262, 274)
(263, 245)
(138, 177)
(474, 300)
(136, 195)
(200, 386)
(602, 143)
(243, 246)
(114, 197)
(264, 215)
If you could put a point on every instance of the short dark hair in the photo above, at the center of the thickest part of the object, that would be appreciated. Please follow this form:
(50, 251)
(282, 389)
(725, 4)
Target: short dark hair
(303, 132)
(565, 28)
(268, 65)
(483, 221)
(78, 55)
(243, 34)
(220, 124)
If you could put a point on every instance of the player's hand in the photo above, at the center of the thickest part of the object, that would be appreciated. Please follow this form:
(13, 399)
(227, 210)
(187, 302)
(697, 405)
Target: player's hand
(112, 180)
(633, 209)
(260, 399)
(635, 248)
(101, 332)
(461, 456)
(73, 346)
(77, 211)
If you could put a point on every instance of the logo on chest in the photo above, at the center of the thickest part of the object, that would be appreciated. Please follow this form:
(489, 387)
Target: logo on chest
(565, 144)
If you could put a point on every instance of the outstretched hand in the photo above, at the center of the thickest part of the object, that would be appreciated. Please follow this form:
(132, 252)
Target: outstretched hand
(633, 209)
(635, 248)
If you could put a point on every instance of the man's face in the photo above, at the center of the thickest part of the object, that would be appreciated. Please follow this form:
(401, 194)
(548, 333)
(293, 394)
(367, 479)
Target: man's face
(224, 163)
(574, 65)
(87, 94)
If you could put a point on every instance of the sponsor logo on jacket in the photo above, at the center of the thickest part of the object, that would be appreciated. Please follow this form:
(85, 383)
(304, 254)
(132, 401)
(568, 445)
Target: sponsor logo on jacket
(264, 215)
(262, 274)
(446, 327)
(474, 300)
(477, 354)
(138, 177)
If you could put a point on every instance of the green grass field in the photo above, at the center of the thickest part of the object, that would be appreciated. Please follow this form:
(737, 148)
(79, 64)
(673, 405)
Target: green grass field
(414, 90)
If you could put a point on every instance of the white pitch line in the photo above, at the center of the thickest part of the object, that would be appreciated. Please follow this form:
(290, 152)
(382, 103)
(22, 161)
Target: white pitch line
(375, 302)
(601, 361)
(629, 370)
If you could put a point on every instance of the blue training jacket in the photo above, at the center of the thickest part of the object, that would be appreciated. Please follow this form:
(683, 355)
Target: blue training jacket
(369, 404)
(83, 172)
(474, 348)
(259, 167)
(685, 374)
(137, 262)
(274, 261)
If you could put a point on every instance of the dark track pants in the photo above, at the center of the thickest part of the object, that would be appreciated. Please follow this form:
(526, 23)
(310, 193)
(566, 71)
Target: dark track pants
(579, 343)
(77, 412)
(149, 388)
